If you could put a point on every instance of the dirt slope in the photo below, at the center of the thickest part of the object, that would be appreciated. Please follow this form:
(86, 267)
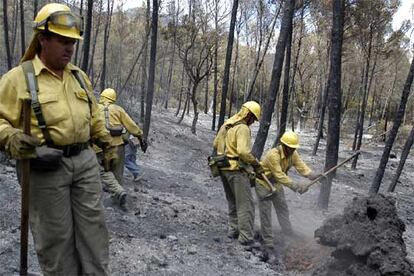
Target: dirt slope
(176, 222)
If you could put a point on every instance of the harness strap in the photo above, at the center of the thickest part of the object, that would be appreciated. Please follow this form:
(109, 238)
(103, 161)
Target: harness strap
(33, 89)
(82, 83)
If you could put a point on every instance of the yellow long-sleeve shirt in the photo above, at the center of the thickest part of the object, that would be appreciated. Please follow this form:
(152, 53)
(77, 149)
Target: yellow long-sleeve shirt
(238, 145)
(64, 104)
(119, 117)
(276, 165)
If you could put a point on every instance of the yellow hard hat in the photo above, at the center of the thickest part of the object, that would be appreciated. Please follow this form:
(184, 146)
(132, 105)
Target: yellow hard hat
(58, 19)
(254, 108)
(290, 139)
(109, 93)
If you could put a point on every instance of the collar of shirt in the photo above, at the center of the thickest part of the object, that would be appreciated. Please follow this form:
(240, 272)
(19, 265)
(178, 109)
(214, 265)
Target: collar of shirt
(281, 152)
(39, 67)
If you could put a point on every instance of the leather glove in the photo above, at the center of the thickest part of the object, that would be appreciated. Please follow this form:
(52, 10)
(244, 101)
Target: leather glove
(144, 144)
(46, 154)
(110, 156)
(22, 146)
(258, 169)
(313, 176)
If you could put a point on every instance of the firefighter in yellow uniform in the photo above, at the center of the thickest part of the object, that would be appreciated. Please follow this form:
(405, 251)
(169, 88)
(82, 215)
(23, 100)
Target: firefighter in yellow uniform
(66, 213)
(116, 119)
(234, 140)
(276, 164)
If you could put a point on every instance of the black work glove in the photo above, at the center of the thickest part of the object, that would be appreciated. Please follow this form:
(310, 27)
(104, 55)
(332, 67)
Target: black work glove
(258, 169)
(144, 144)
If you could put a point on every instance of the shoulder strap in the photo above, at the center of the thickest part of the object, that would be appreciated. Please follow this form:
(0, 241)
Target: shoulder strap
(82, 83)
(33, 89)
(106, 111)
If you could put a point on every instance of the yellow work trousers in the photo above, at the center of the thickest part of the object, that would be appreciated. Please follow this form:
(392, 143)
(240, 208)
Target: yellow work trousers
(240, 203)
(67, 218)
(278, 201)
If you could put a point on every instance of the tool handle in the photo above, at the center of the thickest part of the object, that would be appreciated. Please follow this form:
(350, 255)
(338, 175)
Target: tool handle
(25, 186)
(270, 185)
(332, 169)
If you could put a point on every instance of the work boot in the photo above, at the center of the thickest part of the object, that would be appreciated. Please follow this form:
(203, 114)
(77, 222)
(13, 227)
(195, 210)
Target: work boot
(268, 255)
(122, 200)
(249, 245)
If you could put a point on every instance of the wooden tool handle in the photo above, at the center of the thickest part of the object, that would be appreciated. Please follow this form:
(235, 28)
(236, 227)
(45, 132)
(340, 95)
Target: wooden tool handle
(332, 169)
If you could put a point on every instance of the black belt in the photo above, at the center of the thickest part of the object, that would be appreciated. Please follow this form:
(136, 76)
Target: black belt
(72, 149)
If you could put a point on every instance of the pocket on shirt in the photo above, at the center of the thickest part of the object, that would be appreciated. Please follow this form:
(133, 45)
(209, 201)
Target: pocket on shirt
(83, 104)
(52, 109)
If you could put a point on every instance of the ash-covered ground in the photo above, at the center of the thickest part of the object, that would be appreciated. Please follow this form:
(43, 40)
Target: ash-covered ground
(176, 218)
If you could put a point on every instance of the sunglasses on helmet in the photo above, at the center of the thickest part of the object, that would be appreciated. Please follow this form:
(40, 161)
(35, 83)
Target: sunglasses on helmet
(63, 20)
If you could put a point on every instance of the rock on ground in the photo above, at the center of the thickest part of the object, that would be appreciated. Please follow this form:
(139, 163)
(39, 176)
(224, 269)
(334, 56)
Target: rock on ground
(367, 238)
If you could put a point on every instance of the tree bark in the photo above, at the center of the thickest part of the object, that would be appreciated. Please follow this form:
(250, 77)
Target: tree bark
(35, 7)
(404, 155)
(334, 88)
(105, 43)
(77, 44)
(22, 28)
(151, 71)
(215, 65)
(285, 97)
(144, 63)
(227, 63)
(376, 183)
(6, 35)
(87, 37)
(269, 105)
(364, 99)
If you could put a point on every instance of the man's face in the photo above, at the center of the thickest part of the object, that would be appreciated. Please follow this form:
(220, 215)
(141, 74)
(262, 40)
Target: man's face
(288, 151)
(250, 119)
(56, 50)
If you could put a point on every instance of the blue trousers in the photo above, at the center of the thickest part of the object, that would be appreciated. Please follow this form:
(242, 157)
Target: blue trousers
(131, 163)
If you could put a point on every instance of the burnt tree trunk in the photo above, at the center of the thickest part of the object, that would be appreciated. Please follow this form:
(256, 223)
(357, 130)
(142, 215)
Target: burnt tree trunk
(6, 35)
(376, 183)
(105, 43)
(269, 105)
(151, 71)
(22, 29)
(215, 65)
(226, 75)
(87, 37)
(404, 155)
(334, 88)
(144, 63)
(285, 95)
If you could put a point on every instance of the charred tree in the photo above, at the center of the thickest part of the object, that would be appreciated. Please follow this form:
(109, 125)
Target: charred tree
(376, 183)
(285, 93)
(105, 42)
(77, 44)
(226, 75)
(151, 71)
(215, 65)
(404, 155)
(334, 88)
(269, 105)
(144, 62)
(6, 35)
(22, 29)
(87, 37)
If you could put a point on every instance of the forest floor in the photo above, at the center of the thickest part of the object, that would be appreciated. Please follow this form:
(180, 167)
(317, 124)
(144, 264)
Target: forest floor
(176, 218)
